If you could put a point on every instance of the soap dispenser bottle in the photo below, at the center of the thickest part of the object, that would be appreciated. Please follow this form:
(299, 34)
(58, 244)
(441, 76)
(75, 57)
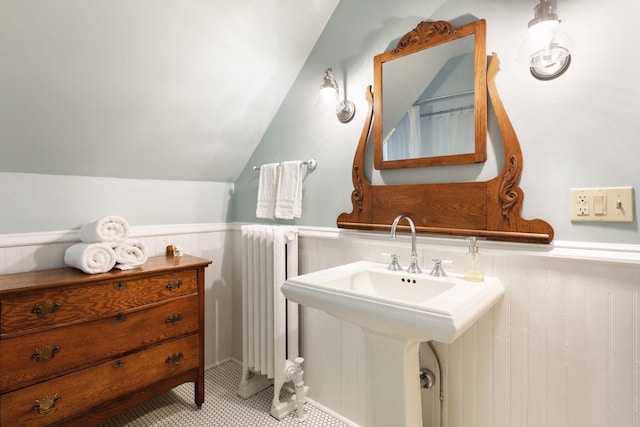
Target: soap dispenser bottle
(473, 270)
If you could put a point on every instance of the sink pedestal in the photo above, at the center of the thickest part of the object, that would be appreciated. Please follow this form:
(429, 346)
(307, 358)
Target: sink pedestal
(393, 367)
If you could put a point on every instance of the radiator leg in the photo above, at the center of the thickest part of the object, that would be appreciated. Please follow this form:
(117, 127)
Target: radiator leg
(252, 384)
(246, 374)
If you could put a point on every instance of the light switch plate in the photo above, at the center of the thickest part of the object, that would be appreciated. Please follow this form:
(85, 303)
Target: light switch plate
(602, 204)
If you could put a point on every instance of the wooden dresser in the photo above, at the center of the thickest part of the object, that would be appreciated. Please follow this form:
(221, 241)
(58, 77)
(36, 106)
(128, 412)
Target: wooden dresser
(78, 348)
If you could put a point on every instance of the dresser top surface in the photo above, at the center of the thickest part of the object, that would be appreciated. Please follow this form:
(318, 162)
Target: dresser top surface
(43, 279)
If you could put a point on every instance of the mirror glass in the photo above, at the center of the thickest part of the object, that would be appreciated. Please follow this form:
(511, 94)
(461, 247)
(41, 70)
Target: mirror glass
(430, 100)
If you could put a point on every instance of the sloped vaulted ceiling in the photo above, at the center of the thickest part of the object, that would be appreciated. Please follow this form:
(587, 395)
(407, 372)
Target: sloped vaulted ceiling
(177, 89)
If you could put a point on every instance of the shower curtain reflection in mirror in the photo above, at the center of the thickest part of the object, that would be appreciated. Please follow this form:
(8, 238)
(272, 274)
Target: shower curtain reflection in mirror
(423, 133)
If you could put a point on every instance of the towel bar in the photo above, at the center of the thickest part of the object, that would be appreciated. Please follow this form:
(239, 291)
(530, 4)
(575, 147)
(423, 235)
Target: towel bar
(311, 164)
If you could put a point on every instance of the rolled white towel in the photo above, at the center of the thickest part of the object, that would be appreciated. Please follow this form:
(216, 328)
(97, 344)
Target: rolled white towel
(91, 258)
(110, 229)
(130, 254)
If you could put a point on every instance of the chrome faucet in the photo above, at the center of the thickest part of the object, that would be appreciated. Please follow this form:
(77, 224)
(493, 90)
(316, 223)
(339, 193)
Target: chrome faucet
(414, 267)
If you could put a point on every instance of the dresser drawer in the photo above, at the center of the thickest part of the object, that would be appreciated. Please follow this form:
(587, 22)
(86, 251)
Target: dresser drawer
(82, 303)
(28, 358)
(54, 400)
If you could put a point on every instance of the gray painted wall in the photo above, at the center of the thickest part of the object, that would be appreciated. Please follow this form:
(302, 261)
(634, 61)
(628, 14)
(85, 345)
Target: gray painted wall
(579, 130)
(146, 89)
(36, 203)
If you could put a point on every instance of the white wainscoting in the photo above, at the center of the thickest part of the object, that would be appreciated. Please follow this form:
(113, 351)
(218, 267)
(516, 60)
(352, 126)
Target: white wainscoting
(560, 349)
(40, 251)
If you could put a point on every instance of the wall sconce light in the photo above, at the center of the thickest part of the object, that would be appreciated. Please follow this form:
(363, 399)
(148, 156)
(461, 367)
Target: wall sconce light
(547, 48)
(328, 101)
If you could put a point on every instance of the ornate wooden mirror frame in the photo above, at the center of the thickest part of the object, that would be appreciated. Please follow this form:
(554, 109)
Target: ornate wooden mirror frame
(490, 209)
(419, 43)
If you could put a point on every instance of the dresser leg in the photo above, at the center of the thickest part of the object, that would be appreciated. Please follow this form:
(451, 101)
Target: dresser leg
(199, 390)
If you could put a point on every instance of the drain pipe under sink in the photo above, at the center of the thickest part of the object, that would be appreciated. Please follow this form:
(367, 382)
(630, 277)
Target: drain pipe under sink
(441, 397)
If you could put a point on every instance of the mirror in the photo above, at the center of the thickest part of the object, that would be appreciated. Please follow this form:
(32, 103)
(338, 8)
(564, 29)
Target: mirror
(430, 98)
(487, 209)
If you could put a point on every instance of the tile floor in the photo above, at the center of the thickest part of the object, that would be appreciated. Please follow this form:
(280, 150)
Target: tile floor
(222, 407)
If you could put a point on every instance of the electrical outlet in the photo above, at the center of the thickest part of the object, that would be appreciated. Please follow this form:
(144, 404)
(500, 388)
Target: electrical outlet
(582, 207)
(602, 204)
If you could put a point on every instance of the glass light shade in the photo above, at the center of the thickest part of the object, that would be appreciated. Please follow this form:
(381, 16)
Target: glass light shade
(550, 62)
(546, 50)
(326, 101)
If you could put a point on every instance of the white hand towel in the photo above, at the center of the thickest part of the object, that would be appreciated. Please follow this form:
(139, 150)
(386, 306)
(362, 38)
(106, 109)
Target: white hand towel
(131, 254)
(289, 194)
(91, 258)
(267, 190)
(110, 229)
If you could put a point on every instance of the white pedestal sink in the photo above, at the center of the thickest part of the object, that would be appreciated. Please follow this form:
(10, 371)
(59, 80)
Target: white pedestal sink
(397, 311)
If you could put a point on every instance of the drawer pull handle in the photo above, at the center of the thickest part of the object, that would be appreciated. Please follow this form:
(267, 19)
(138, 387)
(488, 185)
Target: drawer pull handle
(119, 286)
(174, 359)
(46, 404)
(174, 285)
(119, 318)
(45, 354)
(118, 363)
(174, 319)
(45, 309)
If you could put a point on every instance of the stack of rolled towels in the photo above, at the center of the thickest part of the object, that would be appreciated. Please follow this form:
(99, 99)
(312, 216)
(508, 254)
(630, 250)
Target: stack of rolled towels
(105, 245)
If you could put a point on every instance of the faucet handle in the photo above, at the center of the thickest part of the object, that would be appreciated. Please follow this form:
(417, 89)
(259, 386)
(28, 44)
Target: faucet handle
(394, 265)
(438, 271)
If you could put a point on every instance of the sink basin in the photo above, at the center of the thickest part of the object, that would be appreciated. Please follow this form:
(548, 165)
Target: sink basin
(396, 303)
(396, 310)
